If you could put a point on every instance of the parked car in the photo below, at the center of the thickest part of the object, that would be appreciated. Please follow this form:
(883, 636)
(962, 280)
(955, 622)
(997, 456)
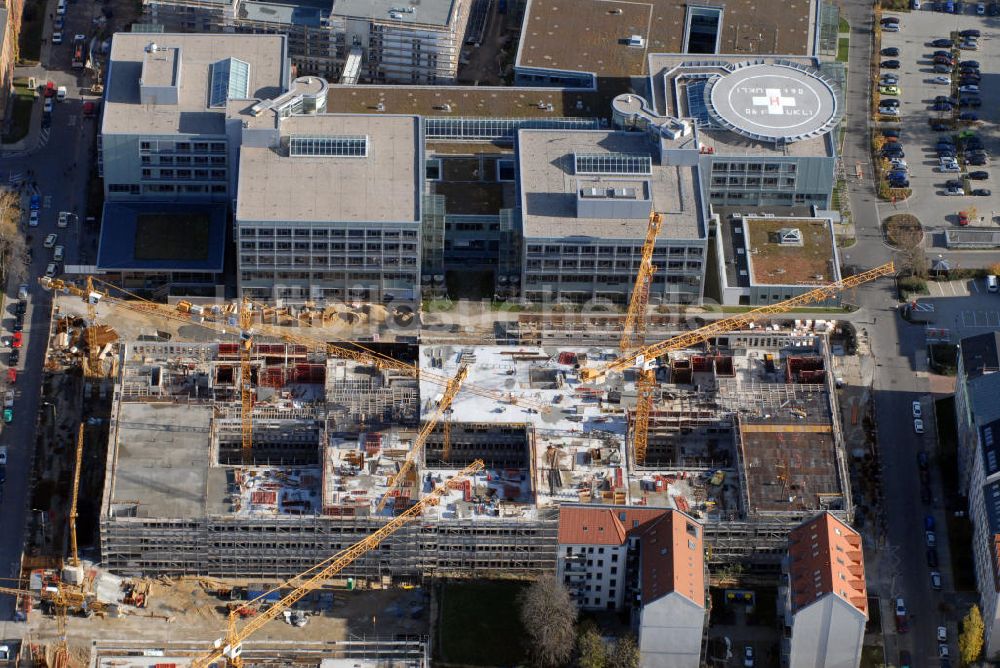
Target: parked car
(942, 634)
(963, 218)
(50, 240)
(889, 111)
(890, 51)
(748, 656)
(17, 340)
(943, 651)
(8, 415)
(970, 102)
(977, 160)
(932, 558)
(889, 80)
(890, 133)
(889, 64)
(994, 9)
(968, 88)
(968, 116)
(935, 581)
(952, 168)
(947, 61)
(942, 43)
(943, 80)
(33, 219)
(917, 410)
(57, 37)
(928, 522)
(51, 269)
(923, 460)
(979, 175)
(970, 32)
(941, 106)
(981, 192)
(951, 183)
(894, 90)
(918, 426)
(891, 27)
(981, 8)
(58, 253)
(905, 661)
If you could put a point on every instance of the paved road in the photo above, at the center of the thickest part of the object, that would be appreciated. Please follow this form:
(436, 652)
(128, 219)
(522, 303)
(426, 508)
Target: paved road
(900, 568)
(63, 187)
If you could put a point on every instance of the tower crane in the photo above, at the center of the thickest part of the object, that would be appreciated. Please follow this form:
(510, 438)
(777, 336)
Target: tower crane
(230, 647)
(688, 339)
(418, 445)
(74, 557)
(634, 335)
(351, 351)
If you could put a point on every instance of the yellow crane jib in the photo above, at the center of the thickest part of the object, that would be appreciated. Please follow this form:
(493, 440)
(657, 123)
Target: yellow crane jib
(454, 385)
(635, 318)
(734, 323)
(230, 647)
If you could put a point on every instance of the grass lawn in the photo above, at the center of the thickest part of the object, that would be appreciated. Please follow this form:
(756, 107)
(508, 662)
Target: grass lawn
(872, 656)
(166, 237)
(21, 106)
(963, 569)
(842, 47)
(479, 624)
(844, 26)
(32, 22)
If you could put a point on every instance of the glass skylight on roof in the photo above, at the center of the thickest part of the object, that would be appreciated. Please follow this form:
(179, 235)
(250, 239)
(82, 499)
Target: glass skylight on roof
(230, 81)
(612, 163)
(331, 146)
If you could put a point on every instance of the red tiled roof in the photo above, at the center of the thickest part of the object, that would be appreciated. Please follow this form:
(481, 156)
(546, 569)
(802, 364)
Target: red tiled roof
(673, 558)
(825, 557)
(671, 544)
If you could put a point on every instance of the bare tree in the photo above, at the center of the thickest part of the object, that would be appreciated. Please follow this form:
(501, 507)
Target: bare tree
(625, 653)
(13, 246)
(549, 614)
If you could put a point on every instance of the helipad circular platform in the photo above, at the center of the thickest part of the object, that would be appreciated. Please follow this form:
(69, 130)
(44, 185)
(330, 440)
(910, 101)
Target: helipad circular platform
(773, 102)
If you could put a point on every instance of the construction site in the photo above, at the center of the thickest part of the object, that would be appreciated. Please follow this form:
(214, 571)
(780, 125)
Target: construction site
(259, 471)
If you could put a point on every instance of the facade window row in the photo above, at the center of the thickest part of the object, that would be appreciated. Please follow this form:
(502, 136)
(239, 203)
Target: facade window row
(767, 167)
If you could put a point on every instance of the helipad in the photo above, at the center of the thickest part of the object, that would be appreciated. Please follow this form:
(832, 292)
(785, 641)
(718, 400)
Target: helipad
(776, 102)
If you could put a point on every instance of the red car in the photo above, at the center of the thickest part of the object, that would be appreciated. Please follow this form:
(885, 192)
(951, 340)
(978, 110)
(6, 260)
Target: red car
(16, 340)
(50, 88)
(963, 218)
(11, 376)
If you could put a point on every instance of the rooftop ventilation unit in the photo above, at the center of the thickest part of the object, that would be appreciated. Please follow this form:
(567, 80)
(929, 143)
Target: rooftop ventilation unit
(637, 40)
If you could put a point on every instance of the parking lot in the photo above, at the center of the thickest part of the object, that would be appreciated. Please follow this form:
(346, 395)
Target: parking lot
(918, 87)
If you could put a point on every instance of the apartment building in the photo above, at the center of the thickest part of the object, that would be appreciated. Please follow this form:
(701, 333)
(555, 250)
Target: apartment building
(649, 560)
(978, 425)
(10, 31)
(824, 595)
(329, 207)
(585, 202)
(394, 41)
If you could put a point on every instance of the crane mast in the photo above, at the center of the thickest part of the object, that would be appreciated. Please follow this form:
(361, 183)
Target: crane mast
(634, 336)
(231, 646)
(74, 556)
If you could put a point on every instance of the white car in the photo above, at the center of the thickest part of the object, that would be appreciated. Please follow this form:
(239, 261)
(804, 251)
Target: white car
(981, 8)
(968, 88)
(930, 538)
(63, 219)
(944, 80)
(49, 105)
(954, 190)
(942, 634)
(51, 269)
(943, 651)
(33, 219)
(900, 607)
(57, 253)
(889, 111)
(935, 581)
(50, 240)
(57, 37)
(917, 412)
(918, 426)
(898, 163)
(952, 167)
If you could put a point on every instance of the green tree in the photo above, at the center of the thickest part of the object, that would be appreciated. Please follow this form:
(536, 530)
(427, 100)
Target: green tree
(970, 640)
(13, 248)
(625, 653)
(591, 649)
(549, 616)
